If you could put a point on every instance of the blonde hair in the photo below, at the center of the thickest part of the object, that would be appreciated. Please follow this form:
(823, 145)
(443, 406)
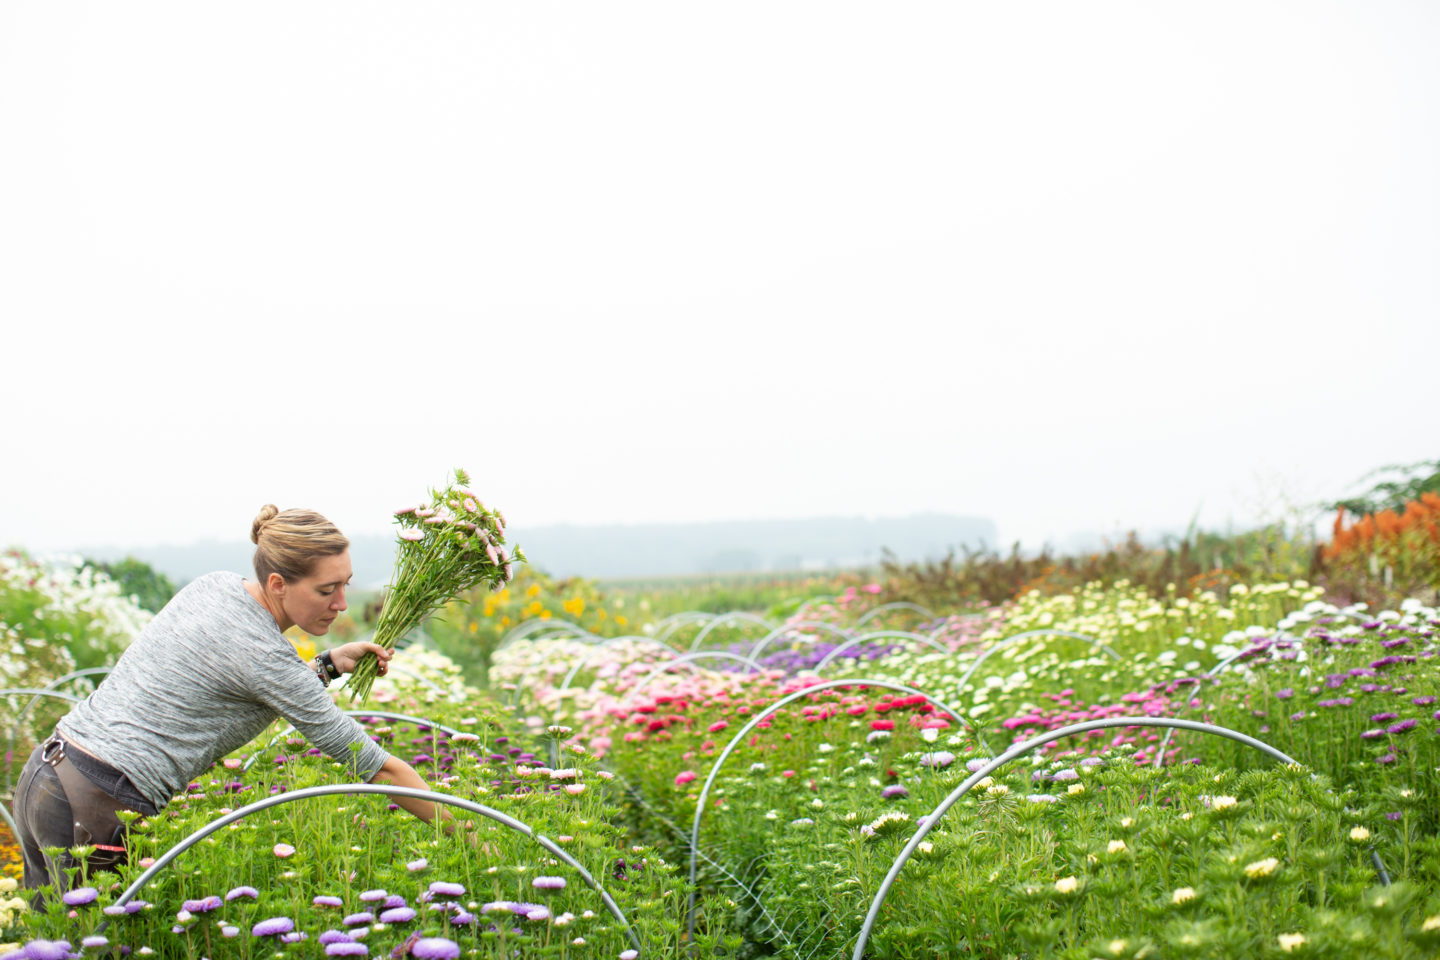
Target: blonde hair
(290, 541)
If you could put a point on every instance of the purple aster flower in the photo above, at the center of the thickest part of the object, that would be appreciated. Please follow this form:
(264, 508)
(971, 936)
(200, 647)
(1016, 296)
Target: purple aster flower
(1091, 762)
(327, 901)
(435, 948)
(272, 927)
(893, 791)
(1372, 734)
(356, 919)
(1394, 815)
(116, 909)
(415, 866)
(441, 888)
(1298, 716)
(80, 896)
(343, 949)
(1402, 726)
(548, 883)
(374, 896)
(1383, 717)
(294, 936)
(939, 759)
(1285, 694)
(974, 766)
(1392, 644)
(1388, 758)
(394, 901)
(203, 906)
(250, 892)
(46, 950)
(334, 936)
(397, 915)
(462, 918)
(229, 931)
(1064, 775)
(1423, 701)
(538, 913)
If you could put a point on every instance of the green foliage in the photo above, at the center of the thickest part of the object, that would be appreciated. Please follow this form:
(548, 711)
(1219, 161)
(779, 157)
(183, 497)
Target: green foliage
(1413, 480)
(149, 587)
(1196, 562)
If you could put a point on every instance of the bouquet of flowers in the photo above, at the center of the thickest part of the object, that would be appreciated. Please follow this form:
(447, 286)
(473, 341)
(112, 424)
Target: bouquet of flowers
(447, 545)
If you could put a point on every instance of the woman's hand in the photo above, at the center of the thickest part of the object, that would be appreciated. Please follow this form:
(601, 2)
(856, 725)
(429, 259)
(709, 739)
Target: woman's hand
(348, 655)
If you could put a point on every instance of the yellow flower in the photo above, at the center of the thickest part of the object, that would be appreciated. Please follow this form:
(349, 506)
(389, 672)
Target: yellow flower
(1067, 885)
(1261, 868)
(575, 606)
(621, 621)
(1290, 941)
(533, 591)
(1117, 846)
(304, 646)
(1359, 834)
(1076, 789)
(1183, 895)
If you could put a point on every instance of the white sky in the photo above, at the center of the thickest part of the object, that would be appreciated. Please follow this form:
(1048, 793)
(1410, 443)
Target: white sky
(1068, 266)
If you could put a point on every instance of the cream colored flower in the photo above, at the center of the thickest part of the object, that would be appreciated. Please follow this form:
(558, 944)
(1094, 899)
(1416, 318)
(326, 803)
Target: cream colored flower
(1117, 947)
(1431, 923)
(1290, 941)
(1222, 803)
(1183, 895)
(1067, 885)
(1359, 834)
(1116, 846)
(1076, 789)
(1127, 822)
(1261, 868)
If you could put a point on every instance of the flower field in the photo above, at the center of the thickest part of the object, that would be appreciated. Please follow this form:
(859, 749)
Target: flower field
(1105, 772)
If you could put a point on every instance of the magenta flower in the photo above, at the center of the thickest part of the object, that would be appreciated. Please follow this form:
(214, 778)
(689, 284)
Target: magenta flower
(1402, 726)
(684, 777)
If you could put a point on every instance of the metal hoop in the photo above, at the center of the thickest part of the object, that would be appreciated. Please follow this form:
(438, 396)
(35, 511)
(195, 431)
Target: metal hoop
(523, 630)
(905, 635)
(575, 670)
(398, 717)
(1020, 750)
(897, 605)
(691, 658)
(675, 621)
(778, 704)
(1008, 641)
(35, 693)
(803, 624)
(306, 793)
(748, 617)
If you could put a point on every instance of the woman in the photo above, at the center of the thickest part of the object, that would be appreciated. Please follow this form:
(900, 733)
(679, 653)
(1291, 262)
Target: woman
(205, 677)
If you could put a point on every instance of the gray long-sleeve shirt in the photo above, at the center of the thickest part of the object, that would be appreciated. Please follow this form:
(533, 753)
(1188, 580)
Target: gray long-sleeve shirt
(205, 677)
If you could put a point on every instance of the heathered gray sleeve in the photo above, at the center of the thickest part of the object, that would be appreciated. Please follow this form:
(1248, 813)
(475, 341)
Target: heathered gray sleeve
(203, 679)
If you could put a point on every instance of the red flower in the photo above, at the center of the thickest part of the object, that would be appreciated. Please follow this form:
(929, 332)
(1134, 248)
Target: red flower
(882, 724)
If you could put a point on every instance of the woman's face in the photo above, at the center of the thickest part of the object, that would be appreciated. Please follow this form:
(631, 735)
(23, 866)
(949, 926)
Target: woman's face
(313, 603)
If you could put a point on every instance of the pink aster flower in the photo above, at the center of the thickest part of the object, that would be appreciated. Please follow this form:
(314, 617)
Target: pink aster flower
(284, 851)
(410, 533)
(684, 777)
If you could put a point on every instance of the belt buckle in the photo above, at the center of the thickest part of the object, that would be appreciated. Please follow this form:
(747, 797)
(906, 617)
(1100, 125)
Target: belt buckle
(52, 751)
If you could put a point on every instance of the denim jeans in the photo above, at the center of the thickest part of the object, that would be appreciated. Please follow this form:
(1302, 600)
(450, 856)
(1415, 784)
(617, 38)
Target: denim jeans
(42, 819)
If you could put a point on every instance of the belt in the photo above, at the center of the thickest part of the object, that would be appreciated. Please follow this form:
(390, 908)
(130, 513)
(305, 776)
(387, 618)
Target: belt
(92, 809)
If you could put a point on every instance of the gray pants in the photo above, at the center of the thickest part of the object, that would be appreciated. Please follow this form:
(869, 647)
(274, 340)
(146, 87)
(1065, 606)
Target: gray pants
(43, 819)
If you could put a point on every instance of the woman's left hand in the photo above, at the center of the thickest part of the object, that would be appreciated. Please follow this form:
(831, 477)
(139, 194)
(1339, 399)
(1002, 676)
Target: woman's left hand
(348, 655)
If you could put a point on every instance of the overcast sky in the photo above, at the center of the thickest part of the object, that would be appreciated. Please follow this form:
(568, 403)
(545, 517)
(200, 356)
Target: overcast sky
(1068, 266)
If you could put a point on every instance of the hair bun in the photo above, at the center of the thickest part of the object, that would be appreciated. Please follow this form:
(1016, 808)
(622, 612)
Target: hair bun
(267, 513)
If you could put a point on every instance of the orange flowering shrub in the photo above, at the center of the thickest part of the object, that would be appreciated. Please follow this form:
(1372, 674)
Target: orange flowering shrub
(1403, 547)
